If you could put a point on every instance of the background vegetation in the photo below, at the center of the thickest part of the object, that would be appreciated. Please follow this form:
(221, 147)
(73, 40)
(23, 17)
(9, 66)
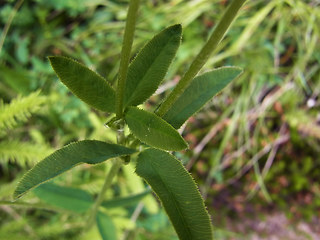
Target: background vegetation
(254, 148)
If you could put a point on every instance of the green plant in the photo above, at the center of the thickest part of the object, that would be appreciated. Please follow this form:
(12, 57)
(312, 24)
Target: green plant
(153, 134)
(12, 114)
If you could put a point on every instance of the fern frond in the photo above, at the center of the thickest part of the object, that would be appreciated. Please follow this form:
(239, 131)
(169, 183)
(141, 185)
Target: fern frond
(23, 152)
(19, 110)
(7, 189)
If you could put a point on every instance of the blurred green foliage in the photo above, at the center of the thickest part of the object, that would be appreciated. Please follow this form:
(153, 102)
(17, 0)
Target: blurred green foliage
(256, 144)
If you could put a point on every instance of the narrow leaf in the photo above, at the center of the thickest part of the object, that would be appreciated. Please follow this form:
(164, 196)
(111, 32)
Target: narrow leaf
(154, 131)
(178, 193)
(200, 91)
(87, 151)
(84, 83)
(78, 200)
(150, 66)
(125, 201)
(106, 227)
(68, 198)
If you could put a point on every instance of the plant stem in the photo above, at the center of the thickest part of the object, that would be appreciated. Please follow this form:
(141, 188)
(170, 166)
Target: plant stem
(203, 55)
(125, 54)
(121, 139)
(123, 70)
(107, 183)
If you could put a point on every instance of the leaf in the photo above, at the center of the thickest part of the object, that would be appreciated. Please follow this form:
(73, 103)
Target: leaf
(84, 83)
(150, 66)
(124, 201)
(178, 193)
(87, 151)
(153, 130)
(106, 227)
(200, 91)
(78, 200)
(72, 199)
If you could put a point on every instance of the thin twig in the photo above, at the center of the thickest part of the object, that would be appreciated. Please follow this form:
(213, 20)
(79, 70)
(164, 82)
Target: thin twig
(227, 160)
(197, 150)
(17, 217)
(282, 139)
(133, 218)
(270, 159)
(253, 114)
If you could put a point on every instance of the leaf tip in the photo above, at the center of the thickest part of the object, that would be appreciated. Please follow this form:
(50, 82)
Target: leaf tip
(175, 30)
(17, 194)
(177, 27)
(236, 68)
(53, 58)
(240, 69)
(22, 188)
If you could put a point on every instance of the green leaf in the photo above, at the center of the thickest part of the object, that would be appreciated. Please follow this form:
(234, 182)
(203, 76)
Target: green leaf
(125, 201)
(84, 83)
(200, 91)
(78, 200)
(154, 131)
(150, 66)
(106, 227)
(87, 151)
(68, 198)
(178, 193)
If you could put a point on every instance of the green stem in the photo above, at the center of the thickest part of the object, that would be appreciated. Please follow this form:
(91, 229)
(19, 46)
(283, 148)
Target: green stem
(203, 56)
(121, 139)
(125, 54)
(107, 183)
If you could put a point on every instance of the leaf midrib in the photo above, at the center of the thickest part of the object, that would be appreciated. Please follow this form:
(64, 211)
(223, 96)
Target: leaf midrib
(155, 129)
(149, 69)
